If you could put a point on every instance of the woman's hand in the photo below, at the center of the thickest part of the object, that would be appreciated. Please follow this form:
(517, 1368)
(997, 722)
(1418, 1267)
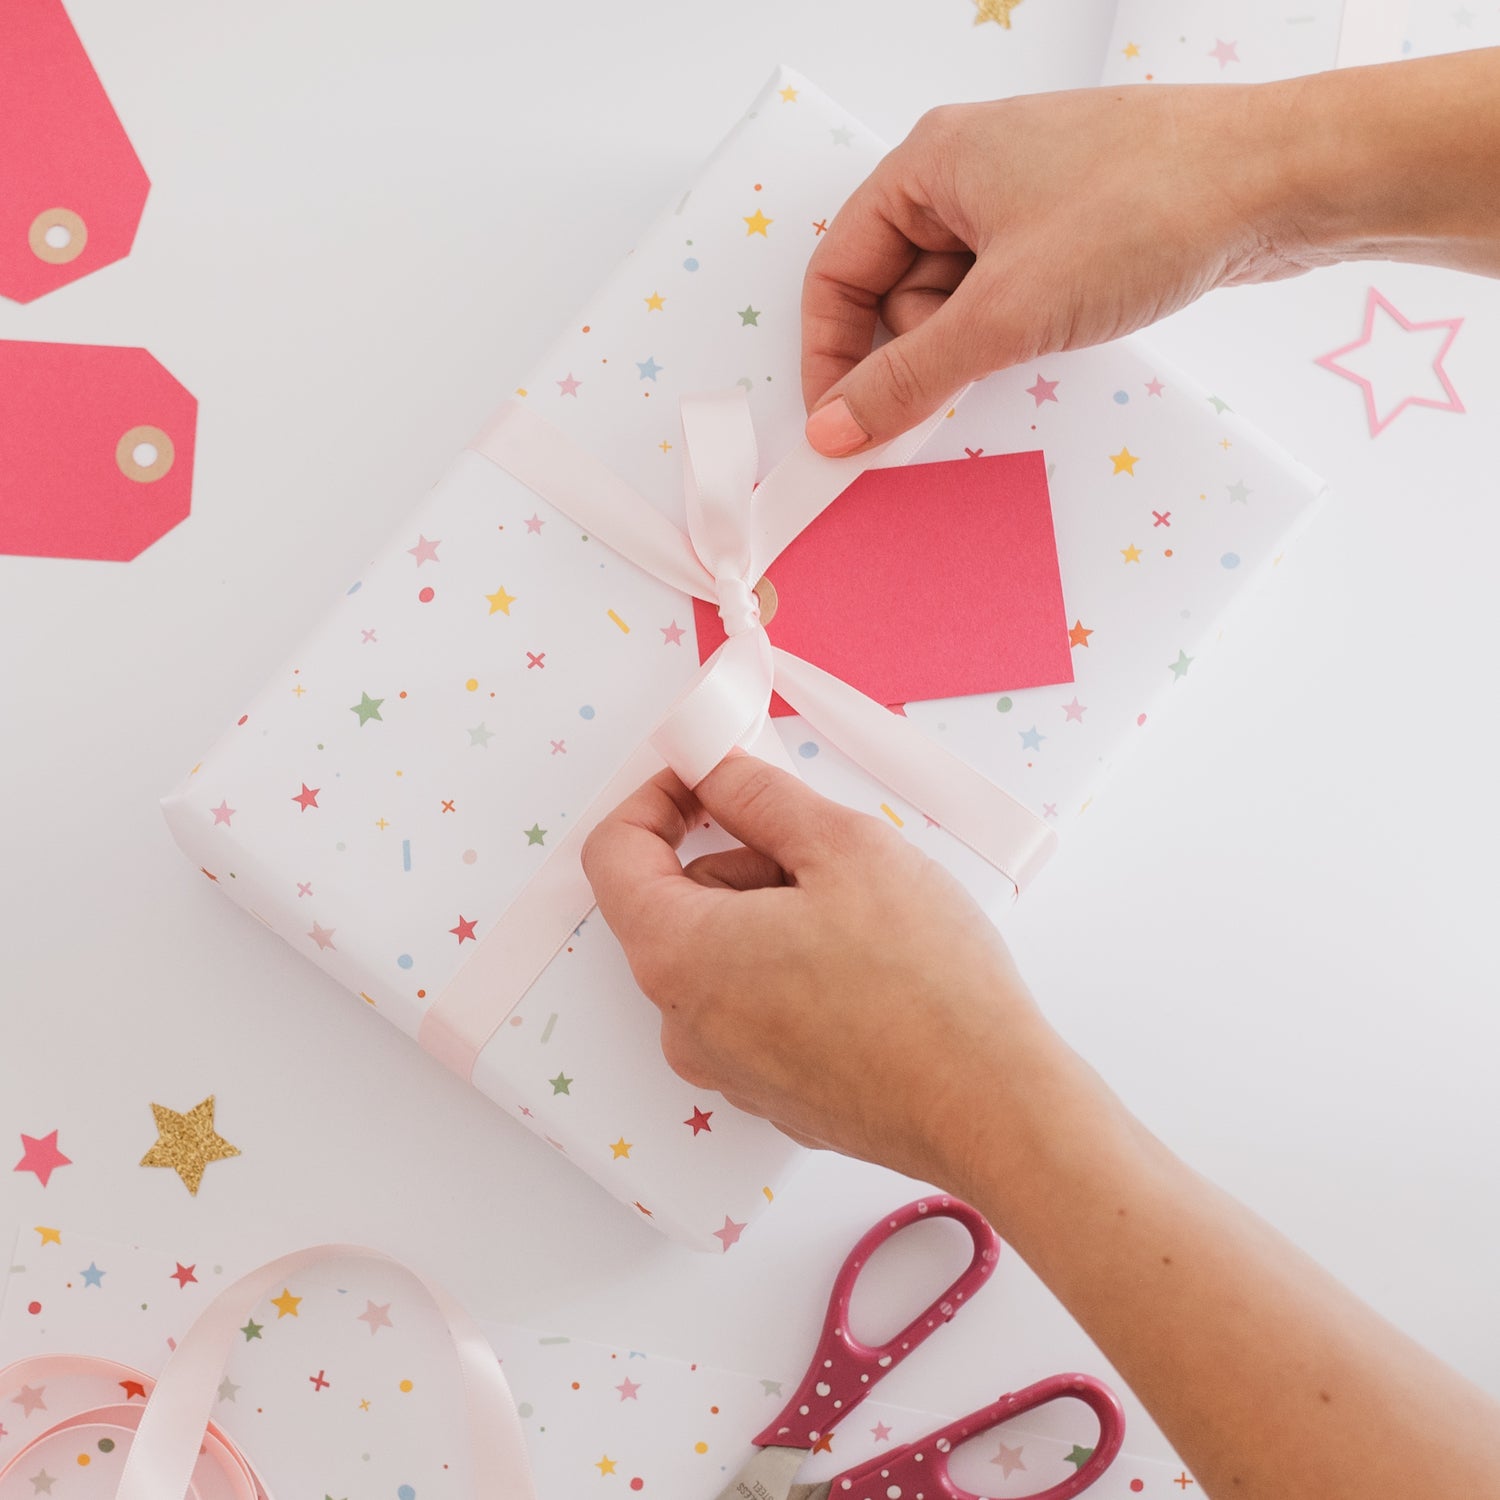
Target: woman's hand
(829, 976)
(997, 233)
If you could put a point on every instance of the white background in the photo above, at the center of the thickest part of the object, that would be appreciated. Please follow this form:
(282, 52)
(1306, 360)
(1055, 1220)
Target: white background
(1275, 935)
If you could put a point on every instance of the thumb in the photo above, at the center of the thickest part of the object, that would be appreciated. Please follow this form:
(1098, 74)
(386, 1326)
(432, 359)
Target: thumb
(771, 811)
(904, 381)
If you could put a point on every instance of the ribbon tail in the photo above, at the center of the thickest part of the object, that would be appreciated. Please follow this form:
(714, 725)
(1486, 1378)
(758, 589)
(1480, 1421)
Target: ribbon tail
(894, 751)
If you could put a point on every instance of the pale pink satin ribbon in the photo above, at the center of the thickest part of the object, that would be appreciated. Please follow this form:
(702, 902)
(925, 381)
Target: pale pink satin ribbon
(174, 1425)
(736, 530)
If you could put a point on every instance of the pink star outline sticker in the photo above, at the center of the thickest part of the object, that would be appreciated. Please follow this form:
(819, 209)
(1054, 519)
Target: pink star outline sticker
(730, 1233)
(569, 387)
(377, 1315)
(322, 936)
(534, 524)
(425, 551)
(1225, 53)
(1376, 302)
(39, 1154)
(671, 634)
(1044, 390)
(628, 1388)
(223, 813)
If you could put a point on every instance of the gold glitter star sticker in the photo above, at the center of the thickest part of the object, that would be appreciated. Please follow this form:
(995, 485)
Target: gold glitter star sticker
(994, 10)
(187, 1143)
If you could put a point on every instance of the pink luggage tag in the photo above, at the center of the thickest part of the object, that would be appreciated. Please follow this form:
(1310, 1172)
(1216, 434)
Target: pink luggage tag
(935, 580)
(96, 451)
(73, 187)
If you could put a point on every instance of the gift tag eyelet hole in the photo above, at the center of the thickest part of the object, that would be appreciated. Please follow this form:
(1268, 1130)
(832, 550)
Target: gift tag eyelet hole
(57, 236)
(144, 454)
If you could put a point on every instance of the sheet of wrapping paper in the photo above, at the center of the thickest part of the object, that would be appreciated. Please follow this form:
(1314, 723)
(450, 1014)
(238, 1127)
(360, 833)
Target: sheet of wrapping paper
(351, 1393)
(382, 799)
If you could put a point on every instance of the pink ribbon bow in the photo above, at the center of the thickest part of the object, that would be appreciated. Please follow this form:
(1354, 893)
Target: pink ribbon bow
(736, 529)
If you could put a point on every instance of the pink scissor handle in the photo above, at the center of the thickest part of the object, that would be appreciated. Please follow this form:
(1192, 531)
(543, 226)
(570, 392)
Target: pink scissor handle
(843, 1369)
(920, 1469)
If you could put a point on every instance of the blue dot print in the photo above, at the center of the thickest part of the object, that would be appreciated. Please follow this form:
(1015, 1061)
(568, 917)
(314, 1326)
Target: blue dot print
(404, 961)
(1230, 559)
(406, 1492)
(690, 264)
(587, 711)
(1121, 397)
(807, 749)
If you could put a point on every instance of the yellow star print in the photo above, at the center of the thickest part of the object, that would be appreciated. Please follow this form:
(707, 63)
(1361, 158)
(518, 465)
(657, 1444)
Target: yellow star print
(994, 10)
(621, 1148)
(500, 601)
(789, 95)
(1131, 50)
(49, 1236)
(1125, 461)
(187, 1143)
(605, 1465)
(655, 301)
(1132, 553)
(757, 223)
(286, 1305)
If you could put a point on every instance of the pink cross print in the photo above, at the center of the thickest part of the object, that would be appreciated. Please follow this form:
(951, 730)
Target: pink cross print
(536, 659)
(304, 888)
(559, 747)
(1161, 518)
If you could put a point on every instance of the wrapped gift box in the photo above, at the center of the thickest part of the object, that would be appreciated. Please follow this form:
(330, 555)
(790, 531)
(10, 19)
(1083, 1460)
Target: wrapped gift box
(387, 795)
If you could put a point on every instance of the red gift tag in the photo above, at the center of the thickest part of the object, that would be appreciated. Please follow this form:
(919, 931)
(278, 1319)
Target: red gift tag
(96, 450)
(934, 580)
(71, 185)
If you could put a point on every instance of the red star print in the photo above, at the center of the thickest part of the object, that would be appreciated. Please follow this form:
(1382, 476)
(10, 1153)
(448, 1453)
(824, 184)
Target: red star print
(307, 797)
(132, 1389)
(40, 1155)
(824, 1443)
(184, 1274)
(464, 932)
(700, 1119)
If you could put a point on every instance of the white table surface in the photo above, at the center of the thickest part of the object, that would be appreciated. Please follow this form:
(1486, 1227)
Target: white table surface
(1274, 934)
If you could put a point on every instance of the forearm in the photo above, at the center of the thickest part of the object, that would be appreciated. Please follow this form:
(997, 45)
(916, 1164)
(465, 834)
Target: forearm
(1267, 1376)
(1397, 162)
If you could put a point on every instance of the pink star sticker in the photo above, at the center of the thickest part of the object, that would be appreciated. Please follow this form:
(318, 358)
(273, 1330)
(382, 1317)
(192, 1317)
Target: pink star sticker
(1009, 1458)
(322, 936)
(464, 932)
(569, 387)
(1225, 52)
(29, 1399)
(1044, 390)
(1378, 422)
(425, 551)
(184, 1274)
(1154, 387)
(40, 1155)
(1073, 712)
(628, 1388)
(223, 813)
(730, 1233)
(535, 524)
(672, 634)
(307, 797)
(881, 1432)
(377, 1315)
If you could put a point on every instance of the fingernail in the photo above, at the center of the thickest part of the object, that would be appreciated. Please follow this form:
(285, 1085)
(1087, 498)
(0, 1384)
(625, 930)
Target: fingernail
(833, 431)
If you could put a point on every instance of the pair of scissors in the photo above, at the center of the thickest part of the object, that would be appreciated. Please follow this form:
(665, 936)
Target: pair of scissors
(844, 1370)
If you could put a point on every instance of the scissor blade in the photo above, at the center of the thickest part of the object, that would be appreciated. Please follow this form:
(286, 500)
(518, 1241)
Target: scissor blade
(811, 1491)
(768, 1476)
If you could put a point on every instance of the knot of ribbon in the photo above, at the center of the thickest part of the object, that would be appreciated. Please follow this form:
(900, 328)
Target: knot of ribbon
(736, 528)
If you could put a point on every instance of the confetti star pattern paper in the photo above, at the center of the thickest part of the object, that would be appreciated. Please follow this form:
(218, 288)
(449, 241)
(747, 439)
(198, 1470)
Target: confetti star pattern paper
(484, 676)
(320, 1408)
